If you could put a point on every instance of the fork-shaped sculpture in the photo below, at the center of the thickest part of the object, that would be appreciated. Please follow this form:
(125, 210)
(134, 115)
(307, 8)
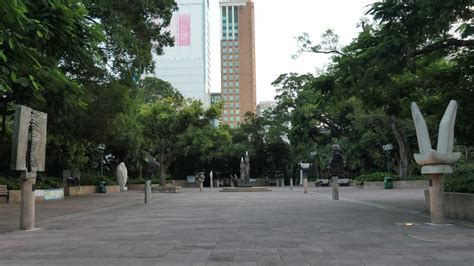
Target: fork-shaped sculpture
(437, 161)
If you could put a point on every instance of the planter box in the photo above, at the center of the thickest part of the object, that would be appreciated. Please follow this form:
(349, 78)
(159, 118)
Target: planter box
(140, 186)
(113, 189)
(398, 184)
(456, 205)
(40, 195)
(81, 190)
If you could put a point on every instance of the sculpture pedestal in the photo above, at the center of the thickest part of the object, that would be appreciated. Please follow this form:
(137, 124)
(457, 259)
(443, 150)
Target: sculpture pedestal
(437, 199)
(291, 183)
(305, 185)
(147, 191)
(27, 213)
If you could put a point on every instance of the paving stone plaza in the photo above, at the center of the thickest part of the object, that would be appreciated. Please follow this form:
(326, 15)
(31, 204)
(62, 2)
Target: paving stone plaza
(281, 227)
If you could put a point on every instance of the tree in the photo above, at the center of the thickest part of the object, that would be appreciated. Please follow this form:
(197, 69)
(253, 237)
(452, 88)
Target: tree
(174, 127)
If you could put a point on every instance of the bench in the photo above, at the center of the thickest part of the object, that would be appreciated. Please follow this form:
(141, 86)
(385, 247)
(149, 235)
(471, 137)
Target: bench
(4, 192)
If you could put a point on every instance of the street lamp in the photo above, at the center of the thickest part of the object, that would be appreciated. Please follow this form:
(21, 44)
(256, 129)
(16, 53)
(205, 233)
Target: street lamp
(101, 148)
(387, 148)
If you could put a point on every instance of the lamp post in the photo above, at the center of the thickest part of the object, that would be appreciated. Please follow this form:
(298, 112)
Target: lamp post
(387, 148)
(101, 148)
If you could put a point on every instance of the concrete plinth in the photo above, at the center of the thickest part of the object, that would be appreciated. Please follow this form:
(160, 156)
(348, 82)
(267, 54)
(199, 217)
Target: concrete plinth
(291, 183)
(211, 184)
(335, 188)
(201, 185)
(147, 191)
(301, 177)
(282, 182)
(437, 199)
(305, 185)
(27, 213)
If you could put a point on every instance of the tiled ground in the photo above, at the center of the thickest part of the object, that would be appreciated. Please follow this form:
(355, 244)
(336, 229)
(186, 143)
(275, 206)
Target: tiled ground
(281, 227)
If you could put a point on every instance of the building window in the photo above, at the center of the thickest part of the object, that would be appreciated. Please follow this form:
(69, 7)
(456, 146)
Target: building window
(231, 105)
(231, 118)
(226, 118)
(231, 77)
(226, 84)
(236, 15)
(237, 111)
(230, 50)
(231, 98)
(236, 105)
(224, 70)
(237, 57)
(231, 57)
(231, 91)
(237, 98)
(225, 105)
(231, 111)
(224, 77)
(237, 84)
(231, 70)
(237, 91)
(236, 43)
(224, 43)
(225, 112)
(224, 63)
(224, 13)
(224, 97)
(224, 50)
(224, 57)
(237, 119)
(231, 63)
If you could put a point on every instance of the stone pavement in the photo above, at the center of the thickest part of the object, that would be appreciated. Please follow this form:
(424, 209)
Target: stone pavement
(281, 227)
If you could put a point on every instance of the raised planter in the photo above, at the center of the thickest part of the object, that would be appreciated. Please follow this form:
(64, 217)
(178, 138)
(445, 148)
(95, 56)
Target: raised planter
(166, 189)
(397, 184)
(140, 186)
(81, 190)
(113, 188)
(456, 205)
(40, 195)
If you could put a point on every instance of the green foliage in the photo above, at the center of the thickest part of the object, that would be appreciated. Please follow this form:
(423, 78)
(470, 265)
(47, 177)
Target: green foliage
(91, 179)
(461, 180)
(379, 176)
(48, 182)
(13, 183)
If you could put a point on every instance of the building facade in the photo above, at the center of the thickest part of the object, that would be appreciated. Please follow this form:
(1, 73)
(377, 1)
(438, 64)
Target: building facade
(265, 106)
(187, 65)
(238, 80)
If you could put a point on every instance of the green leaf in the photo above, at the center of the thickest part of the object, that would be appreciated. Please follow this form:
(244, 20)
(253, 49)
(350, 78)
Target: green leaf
(11, 44)
(3, 57)
(39, 34)
(13, 76)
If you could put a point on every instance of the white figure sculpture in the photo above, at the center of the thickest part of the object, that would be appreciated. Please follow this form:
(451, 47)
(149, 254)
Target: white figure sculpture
(122, 176)
(437, 161)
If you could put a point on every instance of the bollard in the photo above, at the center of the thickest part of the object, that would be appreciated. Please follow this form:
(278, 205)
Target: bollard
(305, 185)
(335, 188)
(201, 185)
(147, 191)
(211, 184)
(291, 183)
(282, 182)
(437, 199)
(217, 183)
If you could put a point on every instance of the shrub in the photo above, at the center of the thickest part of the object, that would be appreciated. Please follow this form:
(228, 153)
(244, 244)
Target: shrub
(12, 183)
(379, 176)
(48, 183)
(461, 180)
(91, 179)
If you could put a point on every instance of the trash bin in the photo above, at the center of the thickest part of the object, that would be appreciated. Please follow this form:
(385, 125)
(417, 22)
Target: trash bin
(102, 187)
(388, 182)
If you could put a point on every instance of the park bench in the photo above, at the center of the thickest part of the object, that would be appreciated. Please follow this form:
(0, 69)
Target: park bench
(4, 192)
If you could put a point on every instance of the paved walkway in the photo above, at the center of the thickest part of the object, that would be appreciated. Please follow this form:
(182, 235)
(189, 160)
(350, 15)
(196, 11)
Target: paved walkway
(282, 227)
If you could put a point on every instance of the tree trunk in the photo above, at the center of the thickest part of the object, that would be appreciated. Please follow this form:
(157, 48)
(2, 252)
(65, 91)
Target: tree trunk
(402, 148)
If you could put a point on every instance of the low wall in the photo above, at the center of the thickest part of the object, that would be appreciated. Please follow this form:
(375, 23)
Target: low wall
(456, 205)
(397, 184)
(113, 189)
(81, 190)
(40, 195)
(139, 186)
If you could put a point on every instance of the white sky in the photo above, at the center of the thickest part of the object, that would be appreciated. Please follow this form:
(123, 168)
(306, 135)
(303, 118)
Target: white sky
(277, 23)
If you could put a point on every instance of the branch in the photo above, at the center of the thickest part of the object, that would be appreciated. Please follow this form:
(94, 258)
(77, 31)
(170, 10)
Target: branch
(450, 42)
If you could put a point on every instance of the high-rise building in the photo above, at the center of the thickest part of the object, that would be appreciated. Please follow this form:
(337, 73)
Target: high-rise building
(186, 65)
(237, 60)
(265, 106)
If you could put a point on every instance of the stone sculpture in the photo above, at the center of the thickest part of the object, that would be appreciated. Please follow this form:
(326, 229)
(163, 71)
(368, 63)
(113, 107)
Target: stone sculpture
(122, 176)
(436, 162)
